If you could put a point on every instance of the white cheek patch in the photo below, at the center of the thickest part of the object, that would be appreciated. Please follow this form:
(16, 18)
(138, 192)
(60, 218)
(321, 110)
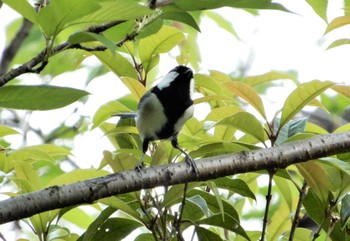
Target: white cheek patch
(150, 117)
(186, 116)
(166, 81)
(191, 87)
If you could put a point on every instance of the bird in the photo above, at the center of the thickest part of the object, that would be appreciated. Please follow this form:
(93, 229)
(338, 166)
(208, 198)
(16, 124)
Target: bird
(164, 109)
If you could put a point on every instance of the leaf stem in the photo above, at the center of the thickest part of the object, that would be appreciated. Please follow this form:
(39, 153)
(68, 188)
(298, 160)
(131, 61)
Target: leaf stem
(267, 207)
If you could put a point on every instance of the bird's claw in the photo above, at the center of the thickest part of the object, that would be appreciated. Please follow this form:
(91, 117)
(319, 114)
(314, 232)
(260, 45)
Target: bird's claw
(192, 164)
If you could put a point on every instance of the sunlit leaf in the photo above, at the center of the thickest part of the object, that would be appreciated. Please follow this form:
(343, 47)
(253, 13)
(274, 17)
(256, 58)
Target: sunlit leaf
(24, 8)
(60, 14)
(5, 131)
(117, 63)
(267, 77)
(107, 110)
(222, 22)
(338, 42)
(76, 176)
(161, 42)
(247, 93)
(135, 87)
(38, 97)
(300, 97)
(320, 7)
(337, 23)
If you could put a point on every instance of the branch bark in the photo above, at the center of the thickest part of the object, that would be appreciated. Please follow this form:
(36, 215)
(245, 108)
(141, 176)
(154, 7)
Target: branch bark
(91, 190)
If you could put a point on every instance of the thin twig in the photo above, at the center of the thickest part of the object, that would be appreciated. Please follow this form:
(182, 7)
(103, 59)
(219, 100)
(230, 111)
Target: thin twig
(11, 50)
(296, 219)
(267, 207)
(178, 221)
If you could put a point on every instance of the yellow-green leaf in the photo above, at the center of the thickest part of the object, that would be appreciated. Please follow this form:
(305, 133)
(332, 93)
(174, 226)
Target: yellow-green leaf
(267, 77)
(337, 23)
(342, 89)
(300, 97)
(5, 131)
(155, 44)
(247, 93)
(107, 110)
(338, 42)
(135, 87)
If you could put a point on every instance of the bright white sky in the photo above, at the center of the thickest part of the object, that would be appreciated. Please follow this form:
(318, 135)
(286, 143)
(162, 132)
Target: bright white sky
(273, 41)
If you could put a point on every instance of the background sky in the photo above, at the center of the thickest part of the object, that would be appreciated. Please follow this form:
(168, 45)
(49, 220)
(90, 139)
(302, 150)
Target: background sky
(273, 40)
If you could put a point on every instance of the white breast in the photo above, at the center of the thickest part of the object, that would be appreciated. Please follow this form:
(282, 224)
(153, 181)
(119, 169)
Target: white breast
(150, 117)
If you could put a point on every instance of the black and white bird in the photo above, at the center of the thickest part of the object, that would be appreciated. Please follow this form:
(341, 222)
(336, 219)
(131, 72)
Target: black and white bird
(164, 109)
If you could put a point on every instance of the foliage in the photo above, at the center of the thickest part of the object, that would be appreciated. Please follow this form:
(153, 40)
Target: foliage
(131, 47)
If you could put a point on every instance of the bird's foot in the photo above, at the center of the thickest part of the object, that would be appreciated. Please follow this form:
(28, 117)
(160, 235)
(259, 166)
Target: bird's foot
(139, 166)
(192, 164)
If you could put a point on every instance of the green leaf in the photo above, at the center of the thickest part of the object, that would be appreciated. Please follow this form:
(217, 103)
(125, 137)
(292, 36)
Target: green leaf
(6, 131)
(315, 176)
(246, 123)
(290, 129)
(161, 42)
(213, 4)
(117, 63)
(76, 176)
(337, 23)
(215, 149)
(81, 37)
(95, 226)
(222, 22)
(180, 16)
(119, 204)
(145, 237)
(115, 229)
(135, 87)
(107, 110)
(345, 210)
(38, 97)
(205, 84)
(24, 8)
(338, 43)
(175, 193)
(25, 171)
(112, 10)
(320, 7)
(267, 77)
(342, 89)
(247, 93)
(300, 97)
(60, 14)
(204, 234)
(235, 185)
(228, 223)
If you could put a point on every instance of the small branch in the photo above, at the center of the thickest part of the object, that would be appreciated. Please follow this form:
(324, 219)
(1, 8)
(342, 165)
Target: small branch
(10, 51)
(91, 190)
(267, 206)
(178, 220)
(296, 219)
(40, 61)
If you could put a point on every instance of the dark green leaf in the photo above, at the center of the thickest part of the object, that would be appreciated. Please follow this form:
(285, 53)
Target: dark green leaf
(228, 223)
(81, 37)
(183, 17)
(345, 210)
(235, 185)
(204, 234)
(145, 237)
(39, 97)
(290, 129)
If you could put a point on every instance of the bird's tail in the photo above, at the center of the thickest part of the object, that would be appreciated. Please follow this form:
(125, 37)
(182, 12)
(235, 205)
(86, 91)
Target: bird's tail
(126, 115)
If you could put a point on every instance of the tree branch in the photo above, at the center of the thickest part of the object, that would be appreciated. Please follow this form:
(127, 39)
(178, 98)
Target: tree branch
(38, 63)
(91, 190)
(11, 50)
